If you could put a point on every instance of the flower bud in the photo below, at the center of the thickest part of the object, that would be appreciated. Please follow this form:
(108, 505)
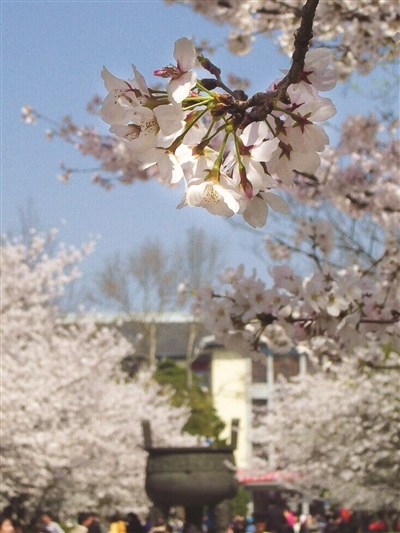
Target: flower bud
(209, 83)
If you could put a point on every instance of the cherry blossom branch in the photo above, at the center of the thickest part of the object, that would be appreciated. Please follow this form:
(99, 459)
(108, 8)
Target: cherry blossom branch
(277, 11)
(375, 366)
(261, 103)
(266, 320)
(302, 40)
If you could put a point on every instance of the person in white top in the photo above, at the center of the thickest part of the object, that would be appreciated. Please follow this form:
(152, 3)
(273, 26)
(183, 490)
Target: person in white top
(50, 526)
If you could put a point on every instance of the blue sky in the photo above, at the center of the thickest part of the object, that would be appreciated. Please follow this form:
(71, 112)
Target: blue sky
(52, 56)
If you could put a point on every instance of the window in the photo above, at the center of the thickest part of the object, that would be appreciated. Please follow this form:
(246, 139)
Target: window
(201, 367)
(259, 408)
(259, 370)
(287, 365)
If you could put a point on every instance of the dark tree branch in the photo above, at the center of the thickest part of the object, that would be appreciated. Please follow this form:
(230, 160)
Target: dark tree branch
(370, 364)
(302, 40)
(260, 104)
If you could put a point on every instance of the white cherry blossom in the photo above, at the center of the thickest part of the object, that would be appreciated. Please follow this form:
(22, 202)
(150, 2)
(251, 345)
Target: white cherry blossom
(220, 198)
(122, 98)
(316, 71)
(182, 78)
(169, 167)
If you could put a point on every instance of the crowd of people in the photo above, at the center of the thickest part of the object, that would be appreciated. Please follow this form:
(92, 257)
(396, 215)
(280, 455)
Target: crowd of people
(278, 520)
(86, 522)
(274, 520)
(89, 522)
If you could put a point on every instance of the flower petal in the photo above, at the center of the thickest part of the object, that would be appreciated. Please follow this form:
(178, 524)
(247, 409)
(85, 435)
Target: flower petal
(185, 54)
(256, 213)
(178, 89)
(277, 203)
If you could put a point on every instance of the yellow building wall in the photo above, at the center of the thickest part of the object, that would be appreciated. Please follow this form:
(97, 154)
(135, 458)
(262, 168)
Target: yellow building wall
(229, 385)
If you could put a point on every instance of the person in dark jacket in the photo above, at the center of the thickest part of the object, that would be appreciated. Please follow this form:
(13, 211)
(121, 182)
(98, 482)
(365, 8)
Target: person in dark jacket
(94, 525)
(133, 524)
(276, 520)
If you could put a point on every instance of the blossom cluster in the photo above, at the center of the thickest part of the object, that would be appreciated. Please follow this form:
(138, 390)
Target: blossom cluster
(359, 176)
(230, 153)
(327, 314)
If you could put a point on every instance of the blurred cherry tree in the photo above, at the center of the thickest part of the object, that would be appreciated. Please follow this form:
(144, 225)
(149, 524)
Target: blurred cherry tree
(73, 421)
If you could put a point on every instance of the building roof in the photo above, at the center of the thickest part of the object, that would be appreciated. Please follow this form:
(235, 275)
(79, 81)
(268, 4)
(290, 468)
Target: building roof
(171, 331)
(171, 338)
